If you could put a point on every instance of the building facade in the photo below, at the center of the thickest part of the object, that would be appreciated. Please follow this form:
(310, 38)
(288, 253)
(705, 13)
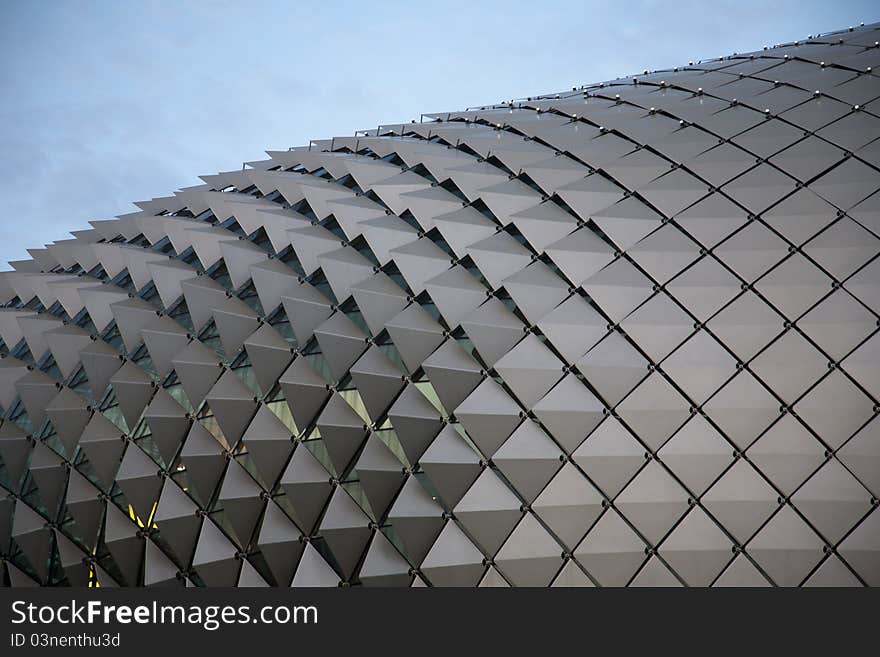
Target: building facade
(624, 334)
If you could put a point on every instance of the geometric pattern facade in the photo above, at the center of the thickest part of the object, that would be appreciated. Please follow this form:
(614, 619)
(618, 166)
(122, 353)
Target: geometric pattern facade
(621, 335)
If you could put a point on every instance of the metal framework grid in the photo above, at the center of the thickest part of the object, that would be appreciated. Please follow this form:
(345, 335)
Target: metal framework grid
(621, 335)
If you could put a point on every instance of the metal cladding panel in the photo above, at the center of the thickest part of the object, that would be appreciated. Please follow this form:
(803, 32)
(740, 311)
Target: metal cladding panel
(625, 334)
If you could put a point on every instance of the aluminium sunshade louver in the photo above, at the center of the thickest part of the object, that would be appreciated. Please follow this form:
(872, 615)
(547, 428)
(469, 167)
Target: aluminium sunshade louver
(626, 334)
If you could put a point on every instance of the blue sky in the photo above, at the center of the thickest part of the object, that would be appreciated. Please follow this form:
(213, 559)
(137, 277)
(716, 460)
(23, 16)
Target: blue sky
(104, 103)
